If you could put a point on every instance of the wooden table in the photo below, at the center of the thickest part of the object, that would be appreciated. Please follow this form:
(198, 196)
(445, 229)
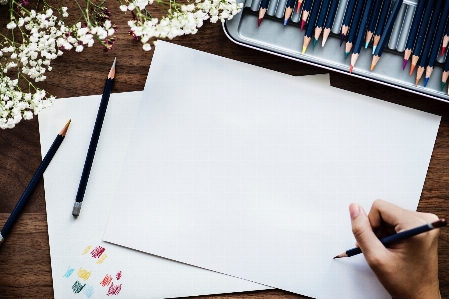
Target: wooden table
(25, 256)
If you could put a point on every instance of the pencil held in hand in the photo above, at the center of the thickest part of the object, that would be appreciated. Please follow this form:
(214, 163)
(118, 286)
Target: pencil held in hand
(398, 237)
(94, 141)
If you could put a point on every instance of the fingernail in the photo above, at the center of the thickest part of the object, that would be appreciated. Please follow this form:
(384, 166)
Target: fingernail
(354, 210)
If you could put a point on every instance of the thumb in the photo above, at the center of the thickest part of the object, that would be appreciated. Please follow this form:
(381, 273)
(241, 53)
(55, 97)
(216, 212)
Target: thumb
(363, 233)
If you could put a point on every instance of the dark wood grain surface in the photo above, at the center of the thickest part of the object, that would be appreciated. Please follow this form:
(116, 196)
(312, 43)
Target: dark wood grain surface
(25, 270)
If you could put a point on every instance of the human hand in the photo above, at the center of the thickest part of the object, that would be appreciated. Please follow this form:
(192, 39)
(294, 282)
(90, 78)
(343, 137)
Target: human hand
(407, 269)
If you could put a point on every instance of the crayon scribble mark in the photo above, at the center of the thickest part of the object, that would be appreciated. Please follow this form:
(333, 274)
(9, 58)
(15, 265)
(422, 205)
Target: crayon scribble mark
(101, 259)
(77, 287)
(118, 275)
(84, 274)
(69, 272)
(97, 252)
(88, 291)
(106, 280)
(87, 249)
(114, 289)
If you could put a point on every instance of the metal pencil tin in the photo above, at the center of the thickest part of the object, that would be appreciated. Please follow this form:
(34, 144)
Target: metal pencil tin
(286, 41)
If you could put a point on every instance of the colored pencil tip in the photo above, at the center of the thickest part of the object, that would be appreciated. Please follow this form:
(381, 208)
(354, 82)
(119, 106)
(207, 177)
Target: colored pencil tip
(285, 22)
(259, 22)
(443, 49)
(351, 67)
(304, 50)
(416, 81)
(314, 43)
(342, 38)
(442, 85)
(404, 64)
(298, 7)
(346, 54)
(366, 45)
(374, 49)
(372, 66)
(412, 67)
(303, 23)
(336, 257)
(426, 80)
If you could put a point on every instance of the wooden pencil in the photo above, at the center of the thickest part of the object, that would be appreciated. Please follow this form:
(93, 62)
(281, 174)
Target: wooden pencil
(400, 236)
(94, 141)
(310, 26)
(347, 19)
(386, 32)
(305, 12)
(33, 183)
(380, 23)
(421, 35)
(354, 26)
(262, 11)
(320, 21)
(329, 21)
(413, 31)
(372, 22)
(361, 31)
(436, 42)
(288, 10)
(429, 41)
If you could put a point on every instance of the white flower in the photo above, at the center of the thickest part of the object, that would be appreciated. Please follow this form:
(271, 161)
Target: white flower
(131, 6)
(27, 115)
(11, 25)
(79, 48)
(123, 7)
(146, 47)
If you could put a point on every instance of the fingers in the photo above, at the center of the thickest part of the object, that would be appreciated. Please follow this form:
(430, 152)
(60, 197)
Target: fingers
(383, 212)
(363, 233)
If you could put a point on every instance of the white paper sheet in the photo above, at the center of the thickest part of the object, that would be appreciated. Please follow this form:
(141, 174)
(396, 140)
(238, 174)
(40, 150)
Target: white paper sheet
(76, 267)
(251, 172)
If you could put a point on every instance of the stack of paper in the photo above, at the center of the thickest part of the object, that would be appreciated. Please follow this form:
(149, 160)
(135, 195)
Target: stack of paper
(231, 168)
(82, 264)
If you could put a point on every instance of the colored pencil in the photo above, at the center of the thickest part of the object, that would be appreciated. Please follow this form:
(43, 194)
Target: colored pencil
(361, 31)
(329, 21)
(320, 21)
(445, 41)
(421, 34)
(288, 10)
(94, 141)
(347, 20)
(310, 26)
(372, 22)
(413, 31)
(404, 235)
(445, 74)
(380, 23)
(386, 32)
(305, 12)
(33, 183)
(262, 11)
(429, 41)
(354, 26)
(436, 42)
(298, 7)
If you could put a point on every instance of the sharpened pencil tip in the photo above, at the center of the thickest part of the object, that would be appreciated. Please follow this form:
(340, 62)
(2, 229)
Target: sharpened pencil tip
(113, 64)
(372, 66)
(66, 127)
(285, 22)
(425, 81)
(336, 257)
(111, 74)
(342, 38)
(259, 21)
(412, 67)
(298, 7)
(303, 23)
(442, 85)
(351, 67)
(314, 43)
(374, 49)
(443, 49)
(404, 64)
(366, 45)
(304, 50)
(346, 54)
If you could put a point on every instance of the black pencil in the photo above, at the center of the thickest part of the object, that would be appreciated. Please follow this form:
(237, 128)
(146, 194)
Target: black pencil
(93, 141)
(398, 237)
(32, 184)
